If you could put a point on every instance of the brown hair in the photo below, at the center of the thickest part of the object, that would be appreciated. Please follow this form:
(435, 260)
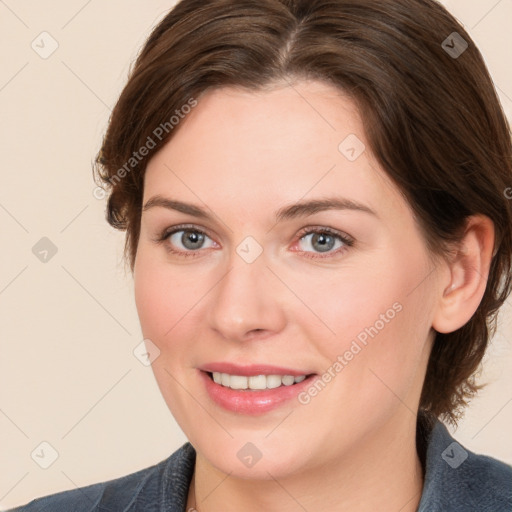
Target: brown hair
(430, 111)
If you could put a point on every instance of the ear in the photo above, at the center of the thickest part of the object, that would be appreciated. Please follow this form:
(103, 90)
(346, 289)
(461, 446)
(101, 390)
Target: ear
(463, 286)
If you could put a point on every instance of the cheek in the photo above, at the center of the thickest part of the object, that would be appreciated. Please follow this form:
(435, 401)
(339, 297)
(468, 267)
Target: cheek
(353, 303)
(165, 304)
(151, 296)
(377, 314)
(162, 297)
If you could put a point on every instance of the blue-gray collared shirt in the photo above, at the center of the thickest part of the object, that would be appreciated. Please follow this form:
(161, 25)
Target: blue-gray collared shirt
(456, 480)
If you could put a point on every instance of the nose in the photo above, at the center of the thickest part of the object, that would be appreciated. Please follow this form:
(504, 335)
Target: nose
(247, 302)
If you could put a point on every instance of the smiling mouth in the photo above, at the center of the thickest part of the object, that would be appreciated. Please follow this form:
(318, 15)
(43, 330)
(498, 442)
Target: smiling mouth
(255, 382)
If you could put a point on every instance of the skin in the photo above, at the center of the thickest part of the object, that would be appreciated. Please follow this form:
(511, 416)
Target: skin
(242, 156)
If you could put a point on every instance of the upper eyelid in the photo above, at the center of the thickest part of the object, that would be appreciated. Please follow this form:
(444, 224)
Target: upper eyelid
(176, 229)
(315, 228)
(165, 234)
(305, 230)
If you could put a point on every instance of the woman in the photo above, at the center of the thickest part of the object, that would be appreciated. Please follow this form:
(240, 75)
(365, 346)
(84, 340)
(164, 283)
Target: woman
(314, 194)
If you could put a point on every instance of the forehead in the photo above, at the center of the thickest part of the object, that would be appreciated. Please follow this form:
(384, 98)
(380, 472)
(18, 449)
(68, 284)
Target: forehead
(248, 149)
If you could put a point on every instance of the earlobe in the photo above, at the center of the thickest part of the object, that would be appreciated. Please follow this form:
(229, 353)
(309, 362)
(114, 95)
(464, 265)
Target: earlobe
(462, 290)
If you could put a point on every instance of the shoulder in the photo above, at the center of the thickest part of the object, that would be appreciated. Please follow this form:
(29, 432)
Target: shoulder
(163, 486)
(457, 479)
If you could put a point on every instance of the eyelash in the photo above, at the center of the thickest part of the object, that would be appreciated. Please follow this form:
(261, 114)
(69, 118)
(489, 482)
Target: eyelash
(347, 241)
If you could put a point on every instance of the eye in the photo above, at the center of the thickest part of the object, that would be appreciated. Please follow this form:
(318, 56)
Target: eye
(187, 239)
(323, 241)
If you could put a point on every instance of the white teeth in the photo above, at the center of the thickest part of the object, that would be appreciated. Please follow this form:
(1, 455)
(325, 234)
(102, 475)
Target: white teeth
(255, 382)
(224, 379)
(288, 380)
(273, 381)
(238, 382)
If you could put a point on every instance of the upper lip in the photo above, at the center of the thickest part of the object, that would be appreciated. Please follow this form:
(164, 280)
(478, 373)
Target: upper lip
(251, 369)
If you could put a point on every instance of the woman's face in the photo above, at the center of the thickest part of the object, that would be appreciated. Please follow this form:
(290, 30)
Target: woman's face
(344, 294)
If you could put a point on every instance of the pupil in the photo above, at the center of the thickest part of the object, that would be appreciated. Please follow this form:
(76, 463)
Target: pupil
(326, 241)
(192, 238)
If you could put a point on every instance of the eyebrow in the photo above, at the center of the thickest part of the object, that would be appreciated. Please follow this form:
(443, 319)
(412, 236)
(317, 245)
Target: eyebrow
(301, 209)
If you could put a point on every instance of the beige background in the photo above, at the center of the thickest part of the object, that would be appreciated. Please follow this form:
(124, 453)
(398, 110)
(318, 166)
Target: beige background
(69, 326)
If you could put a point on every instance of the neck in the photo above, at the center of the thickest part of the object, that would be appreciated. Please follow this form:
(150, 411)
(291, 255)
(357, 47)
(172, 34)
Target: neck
(384, 473)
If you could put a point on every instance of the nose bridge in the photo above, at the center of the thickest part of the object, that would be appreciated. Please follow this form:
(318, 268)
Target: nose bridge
(245, 298)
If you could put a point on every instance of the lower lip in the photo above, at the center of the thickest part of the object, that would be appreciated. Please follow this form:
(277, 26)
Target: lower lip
(252, 401)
